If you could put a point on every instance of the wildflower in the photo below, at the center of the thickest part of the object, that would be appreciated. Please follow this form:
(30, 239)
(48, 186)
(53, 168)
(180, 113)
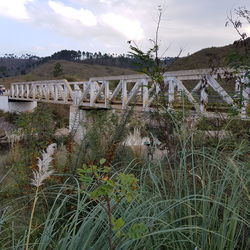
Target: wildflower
(44, 169)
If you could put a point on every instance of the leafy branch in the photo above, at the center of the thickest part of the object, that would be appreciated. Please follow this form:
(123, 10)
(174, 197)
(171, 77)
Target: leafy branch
(109, 191)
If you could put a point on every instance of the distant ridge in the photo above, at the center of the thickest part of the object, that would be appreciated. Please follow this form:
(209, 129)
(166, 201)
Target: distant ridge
(211, 57)
(80, 65)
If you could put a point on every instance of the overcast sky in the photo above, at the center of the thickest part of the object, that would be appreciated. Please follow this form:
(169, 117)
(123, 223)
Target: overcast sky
(43, 27)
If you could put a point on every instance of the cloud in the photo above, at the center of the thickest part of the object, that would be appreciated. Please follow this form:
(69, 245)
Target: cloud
(106, 25)
(106, 1)
(84, 16)
(131, 29)
(247, 29)
(15, 9)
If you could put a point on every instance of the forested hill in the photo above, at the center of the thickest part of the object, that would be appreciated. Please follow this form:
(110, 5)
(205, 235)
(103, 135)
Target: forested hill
(122, 60)
(11, 65)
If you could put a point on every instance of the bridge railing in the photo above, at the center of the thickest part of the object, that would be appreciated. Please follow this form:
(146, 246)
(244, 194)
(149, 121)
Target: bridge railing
(55, 91)
(195, 88)
(139, 90)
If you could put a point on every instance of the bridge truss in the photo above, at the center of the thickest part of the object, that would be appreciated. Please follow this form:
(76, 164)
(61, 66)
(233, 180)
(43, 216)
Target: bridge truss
(202, 91)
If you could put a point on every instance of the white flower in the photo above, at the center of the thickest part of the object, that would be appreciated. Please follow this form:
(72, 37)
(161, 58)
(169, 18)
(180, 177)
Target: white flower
(44, 169)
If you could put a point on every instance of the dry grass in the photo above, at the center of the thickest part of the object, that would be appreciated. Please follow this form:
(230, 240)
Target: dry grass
(208, 57)
(73, 71)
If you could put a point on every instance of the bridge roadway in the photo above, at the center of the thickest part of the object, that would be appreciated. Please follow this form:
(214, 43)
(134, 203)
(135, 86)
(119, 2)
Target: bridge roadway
(120, 92)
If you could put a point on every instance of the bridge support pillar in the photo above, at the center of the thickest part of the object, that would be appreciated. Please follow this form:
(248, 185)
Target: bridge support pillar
(77, 118)
(13, 106)
(19, 106)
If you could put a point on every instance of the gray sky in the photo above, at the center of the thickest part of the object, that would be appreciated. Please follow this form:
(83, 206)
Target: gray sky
(42, 27)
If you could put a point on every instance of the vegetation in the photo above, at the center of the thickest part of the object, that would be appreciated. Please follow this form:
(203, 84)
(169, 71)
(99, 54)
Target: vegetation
(11, 65)
(196, 196)
(72, 71)
(209, 57)
(102, 194)
(58, 70)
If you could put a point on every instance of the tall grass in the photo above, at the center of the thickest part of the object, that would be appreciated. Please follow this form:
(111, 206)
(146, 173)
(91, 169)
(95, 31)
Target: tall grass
(197, 198)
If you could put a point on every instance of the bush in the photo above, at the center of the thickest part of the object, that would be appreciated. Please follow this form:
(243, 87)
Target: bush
(196, 197)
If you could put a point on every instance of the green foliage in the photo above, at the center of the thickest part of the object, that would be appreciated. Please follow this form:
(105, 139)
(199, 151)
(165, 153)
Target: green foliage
(198, 199)
(136, 231)
(117, 224)
(37, 127)
(58, 70)
(105, 130)
(100, 129)
(3, 70)
(9, 117)
(239, 128)
(34, 132)
(110, 192)
(123, 186)
(240, 62)
(59, 112)
(147, 63)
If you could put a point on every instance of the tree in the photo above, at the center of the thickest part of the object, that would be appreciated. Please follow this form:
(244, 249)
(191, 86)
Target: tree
(240, 62)
(242, 14)
(58, 70)
(149, 62)
(79, 55)
(3, 70)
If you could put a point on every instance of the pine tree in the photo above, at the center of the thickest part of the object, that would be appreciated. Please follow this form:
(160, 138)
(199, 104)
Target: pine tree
(58, 70)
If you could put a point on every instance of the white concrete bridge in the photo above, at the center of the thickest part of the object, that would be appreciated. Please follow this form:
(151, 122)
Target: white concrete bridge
(201, 90)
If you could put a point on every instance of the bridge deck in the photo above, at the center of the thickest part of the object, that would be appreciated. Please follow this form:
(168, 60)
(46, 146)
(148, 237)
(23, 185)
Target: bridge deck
(120, 92)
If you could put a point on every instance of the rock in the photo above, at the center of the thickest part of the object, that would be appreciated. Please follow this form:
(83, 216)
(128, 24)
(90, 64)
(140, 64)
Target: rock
(62, 132)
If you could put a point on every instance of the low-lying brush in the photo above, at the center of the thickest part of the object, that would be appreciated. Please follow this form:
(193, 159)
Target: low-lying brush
(197, 197)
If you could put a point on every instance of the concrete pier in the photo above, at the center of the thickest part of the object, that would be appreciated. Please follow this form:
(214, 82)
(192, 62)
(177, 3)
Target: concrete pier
(13, 106)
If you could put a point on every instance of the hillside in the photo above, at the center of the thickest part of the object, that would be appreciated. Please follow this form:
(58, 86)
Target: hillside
(211, 57)
(11, 65)
(83, 70)
(72, 71)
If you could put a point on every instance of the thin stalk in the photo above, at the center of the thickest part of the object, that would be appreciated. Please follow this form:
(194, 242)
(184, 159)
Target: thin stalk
(109, 211)
(156, 37)
(31, 218)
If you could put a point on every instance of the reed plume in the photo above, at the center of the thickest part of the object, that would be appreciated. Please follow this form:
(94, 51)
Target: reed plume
(44, 171)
